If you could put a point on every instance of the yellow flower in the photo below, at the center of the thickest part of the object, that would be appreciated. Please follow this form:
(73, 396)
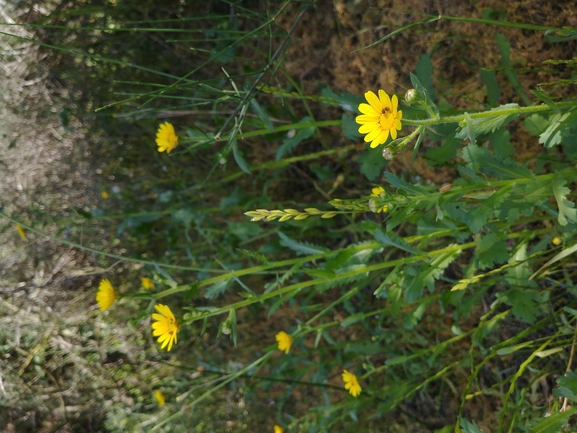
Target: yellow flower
(165, 327)
(104, 195)
(376, 192)
(159, 396)
(166, 138)
(106, 295)
(278, 429)
(351, 383)
(284, 341)
(147, 283)
(557, 240)
(380, 118)
(21, 231)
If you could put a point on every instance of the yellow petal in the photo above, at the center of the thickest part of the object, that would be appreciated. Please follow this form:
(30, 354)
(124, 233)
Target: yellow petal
(394, 103)
(384, 98)
(365, 129)
(374, 101)
(365, 118)
(368, 110)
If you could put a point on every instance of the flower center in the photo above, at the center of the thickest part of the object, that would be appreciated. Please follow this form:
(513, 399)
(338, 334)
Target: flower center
(386, 119)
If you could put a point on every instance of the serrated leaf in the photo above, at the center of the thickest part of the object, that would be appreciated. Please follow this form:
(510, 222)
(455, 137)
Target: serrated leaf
(484, 125)
(553, 423)
(559, 126)
(217, 288)
(487, 208)
(428, 273)
(289, 144)
(524, 303)
(536, 124)
(392, 240)
(490, 250)
(239, 157)
(480, 159)
(301, 247)
(372, 163)
(399, 183)
(567, 211)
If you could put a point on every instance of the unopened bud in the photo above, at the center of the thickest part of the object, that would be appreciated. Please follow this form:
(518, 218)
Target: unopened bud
(411, 96)
(388, 154)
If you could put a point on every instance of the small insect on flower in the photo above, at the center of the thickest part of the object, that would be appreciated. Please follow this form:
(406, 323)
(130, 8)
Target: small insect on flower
(380, 118)
(351, 383)
(285, 341)
(165, 326)
(278, 429)
(166, 138)
(106, 295)
(147, 283)
(159, 396)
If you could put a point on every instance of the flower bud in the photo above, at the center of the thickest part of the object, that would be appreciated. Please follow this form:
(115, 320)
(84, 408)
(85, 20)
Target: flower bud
(411, 96)
(388, 153)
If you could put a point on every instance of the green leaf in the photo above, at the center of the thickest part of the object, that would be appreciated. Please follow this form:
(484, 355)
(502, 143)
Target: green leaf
(501, 144)
(261, 113)
(301, 247)
(559, 126)
(392, 240)
(470, 427)
(490, 250)
(484, 125)
(519, 272)
(524, 303)
(350, 127)
(424, 72)
(493, 90)
(239, 157)
(289, 144)
(428, 273)
(372, 163)
(217, 288)
(536, 124)
(347, 101)
(553, 423)
(399, 183)
(508, 70)
(424, 94)
(480, 159)
(567, 211)
(487, 208)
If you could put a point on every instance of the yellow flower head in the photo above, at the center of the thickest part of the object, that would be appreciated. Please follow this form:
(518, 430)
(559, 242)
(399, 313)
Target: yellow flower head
(166, 137)
(104, 195)
(278, 429)
(284, 341)
(106, 295)
(557, 240)
(21, 231)
(147, 283)
(376, 192)
(351, 383)
(165, 326)
(159, 396)
(379, 118)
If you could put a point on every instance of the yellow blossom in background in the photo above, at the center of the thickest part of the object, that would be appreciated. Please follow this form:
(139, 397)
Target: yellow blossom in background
(165, 326)
(159, 396)
(21, 231)
(104, 195)
(376, 192)
(351, 383)
(278, 429)
(147, 283)
(284, 341)
(106, 295)
(379, 118)
(557, 240)
(166, 138)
